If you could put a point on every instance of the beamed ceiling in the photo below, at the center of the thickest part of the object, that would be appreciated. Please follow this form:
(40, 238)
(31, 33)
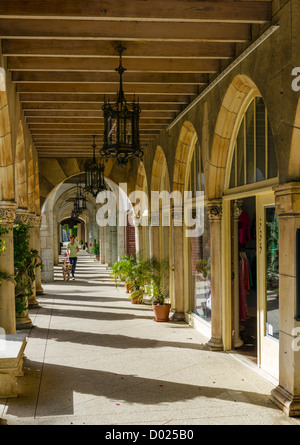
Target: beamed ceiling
(62, 56)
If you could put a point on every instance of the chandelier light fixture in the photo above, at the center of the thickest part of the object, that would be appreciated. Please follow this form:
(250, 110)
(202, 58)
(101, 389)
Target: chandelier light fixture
(121, 125)
(94, 174)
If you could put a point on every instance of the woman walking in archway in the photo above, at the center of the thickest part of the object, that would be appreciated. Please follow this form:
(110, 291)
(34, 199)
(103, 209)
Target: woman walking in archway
(73, 249)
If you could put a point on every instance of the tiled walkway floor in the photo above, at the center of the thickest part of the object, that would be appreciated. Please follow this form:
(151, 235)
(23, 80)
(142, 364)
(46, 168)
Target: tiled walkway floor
(94, 358)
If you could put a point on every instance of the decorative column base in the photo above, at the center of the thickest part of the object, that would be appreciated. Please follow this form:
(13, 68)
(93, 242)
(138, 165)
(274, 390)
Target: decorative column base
(23, 323)
(177, 316)
(288, 403)
(215, 344)
(33, 303)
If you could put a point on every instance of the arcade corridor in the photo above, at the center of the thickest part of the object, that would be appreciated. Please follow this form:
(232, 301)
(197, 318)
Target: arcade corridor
(94, 358)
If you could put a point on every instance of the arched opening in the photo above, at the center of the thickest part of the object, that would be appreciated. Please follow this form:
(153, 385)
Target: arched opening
(246, 173)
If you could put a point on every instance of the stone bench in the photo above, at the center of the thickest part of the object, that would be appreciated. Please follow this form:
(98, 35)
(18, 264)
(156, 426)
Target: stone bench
(12, 348)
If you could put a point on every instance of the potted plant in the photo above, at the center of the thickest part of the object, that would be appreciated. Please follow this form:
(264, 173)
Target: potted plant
(26, 261)
(138, 279)
(96, 250)
(158, 288)
(120, 271)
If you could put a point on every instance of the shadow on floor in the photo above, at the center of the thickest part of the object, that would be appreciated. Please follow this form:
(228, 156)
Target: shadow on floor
(90, 315)
(58, 384)
(109, 340)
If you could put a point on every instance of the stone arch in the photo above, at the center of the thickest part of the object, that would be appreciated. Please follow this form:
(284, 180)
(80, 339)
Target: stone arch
(21, 185)
(6, 158)
(160, 179)
(141, 179)
(233, 101)
(187, 136)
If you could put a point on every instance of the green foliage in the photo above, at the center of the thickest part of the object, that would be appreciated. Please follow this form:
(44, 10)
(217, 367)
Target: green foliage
(3, 231)
(203, 266)
(120, 270)
(96, 249)
(26, 261)
(134, 271)
(158, 275)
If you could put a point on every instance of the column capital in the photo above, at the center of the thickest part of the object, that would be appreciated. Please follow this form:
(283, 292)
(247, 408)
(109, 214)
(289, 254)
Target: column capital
(287, 199)
(22, 216)
(214, 209)
(7, 212)
(34, 220)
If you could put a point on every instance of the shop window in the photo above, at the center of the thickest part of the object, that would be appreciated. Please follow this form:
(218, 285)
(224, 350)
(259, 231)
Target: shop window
(272, 291)
(254, 158)
(199, 247)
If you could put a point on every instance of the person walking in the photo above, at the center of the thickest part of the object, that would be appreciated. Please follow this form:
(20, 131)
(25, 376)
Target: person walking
(72, 249)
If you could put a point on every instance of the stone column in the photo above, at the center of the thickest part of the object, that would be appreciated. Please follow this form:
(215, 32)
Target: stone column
(178, 233)
(34, 230)
(237, 210)
(37, 231)
(114, 244)
(214, 210)
(287, 394)
(121, 235)
(102, 237)
(7, 288)
(155, 234)
(46, 242)
(22, 320)
(139, 240)
(108, 244)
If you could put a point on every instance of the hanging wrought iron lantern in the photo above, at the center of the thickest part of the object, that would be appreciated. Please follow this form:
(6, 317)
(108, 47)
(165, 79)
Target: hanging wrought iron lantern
(121, 125)
(76, 211)
(94, 174)
(80, 200)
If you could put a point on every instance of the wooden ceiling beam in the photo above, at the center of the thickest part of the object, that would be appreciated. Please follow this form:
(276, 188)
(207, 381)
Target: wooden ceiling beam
(70, 107)
(155, 10)
(180, 89)
(94, 77)
(84, 131)
(42, 114)
(99, 98)
(99, 49)
(109, 64)
(121, 31)
(85, 121)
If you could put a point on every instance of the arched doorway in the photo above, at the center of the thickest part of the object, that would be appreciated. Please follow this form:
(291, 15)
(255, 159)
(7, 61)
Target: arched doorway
(250, 238)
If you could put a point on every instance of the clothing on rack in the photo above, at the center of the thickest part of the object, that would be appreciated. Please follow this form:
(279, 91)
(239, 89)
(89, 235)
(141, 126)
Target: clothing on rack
(244, 286)
(244, 229)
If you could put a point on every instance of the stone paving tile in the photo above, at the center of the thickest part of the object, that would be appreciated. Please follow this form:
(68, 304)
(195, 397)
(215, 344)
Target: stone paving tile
(94, 358)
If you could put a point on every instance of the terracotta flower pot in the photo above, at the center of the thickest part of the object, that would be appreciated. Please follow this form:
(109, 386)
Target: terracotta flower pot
(161, 312)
